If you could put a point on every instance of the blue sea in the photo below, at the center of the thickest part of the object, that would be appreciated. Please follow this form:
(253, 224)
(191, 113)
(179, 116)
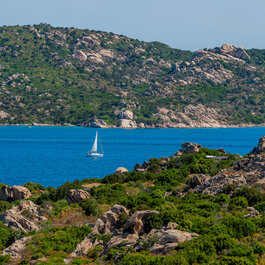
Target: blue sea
(53, 155)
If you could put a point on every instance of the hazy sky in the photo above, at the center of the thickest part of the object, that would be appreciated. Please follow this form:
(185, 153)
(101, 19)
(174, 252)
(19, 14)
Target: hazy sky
(184, 24)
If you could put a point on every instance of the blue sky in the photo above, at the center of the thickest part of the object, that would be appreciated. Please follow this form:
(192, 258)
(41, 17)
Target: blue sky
(184, 24)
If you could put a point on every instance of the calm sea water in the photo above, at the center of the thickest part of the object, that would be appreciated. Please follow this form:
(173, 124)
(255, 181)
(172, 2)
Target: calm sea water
(54, 155)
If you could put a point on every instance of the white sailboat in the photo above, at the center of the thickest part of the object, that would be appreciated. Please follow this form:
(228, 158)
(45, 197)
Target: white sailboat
(94, 150)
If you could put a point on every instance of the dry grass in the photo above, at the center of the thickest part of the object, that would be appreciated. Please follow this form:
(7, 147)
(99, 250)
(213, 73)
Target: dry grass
(69, 217)
(91, 185)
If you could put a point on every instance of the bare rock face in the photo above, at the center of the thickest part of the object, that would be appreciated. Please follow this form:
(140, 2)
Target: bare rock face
(80, 55)
(124, 123)
(3, 114)
(169, 239)
(141, 168)
(107, 53)
(253, 213)
(96, 123)
(26, 217)
(221, 150)
(127, 114)
(106, 224)
(76, 195)
(121, 170)
(14, 193)
(260, 148)
(233, 51)
(190, 148)
(136, 223)
(127, 238)
(126, 119)
(15, 251)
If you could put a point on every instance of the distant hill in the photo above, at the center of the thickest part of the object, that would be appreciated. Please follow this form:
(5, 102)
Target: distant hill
(54, 75)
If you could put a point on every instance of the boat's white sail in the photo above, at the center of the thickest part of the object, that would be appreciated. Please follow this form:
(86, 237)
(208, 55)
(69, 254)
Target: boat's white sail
(95, 145)
(94, 149)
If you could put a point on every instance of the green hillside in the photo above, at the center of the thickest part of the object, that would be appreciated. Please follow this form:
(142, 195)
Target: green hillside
(67, 75)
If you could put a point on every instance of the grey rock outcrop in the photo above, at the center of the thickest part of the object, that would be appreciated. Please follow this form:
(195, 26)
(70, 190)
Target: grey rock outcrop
(76, 195)
(141, 168)
(26, 217)
(132, 234)
(96, 123)
(14, 193)
(233, 51)
(136, 223)
(16, 250)
(260, 148)
(127, 114)
(127, 124)
(190, 148)
(121, 170)
(169, 239)
(106, 224)
(253, 213)
(80, 55)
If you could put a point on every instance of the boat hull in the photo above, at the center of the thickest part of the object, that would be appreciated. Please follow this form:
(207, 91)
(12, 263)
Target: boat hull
(94, 155)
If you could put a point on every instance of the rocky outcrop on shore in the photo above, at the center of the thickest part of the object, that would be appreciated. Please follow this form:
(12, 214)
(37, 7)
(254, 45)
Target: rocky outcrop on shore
(121, 170)
(131, 233)
(246, 172)
(26, 216)
(14, 193)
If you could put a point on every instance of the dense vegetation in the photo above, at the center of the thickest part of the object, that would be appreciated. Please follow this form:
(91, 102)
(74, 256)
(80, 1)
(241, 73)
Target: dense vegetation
(67, 75)
(225, 235)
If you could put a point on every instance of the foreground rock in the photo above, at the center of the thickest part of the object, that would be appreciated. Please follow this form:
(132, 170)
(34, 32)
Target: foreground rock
(16, 250)
(104, 225)
(76, 195)
(131, 234)
(26, 216)
(169, 239)
(136, 223)
(14, 193)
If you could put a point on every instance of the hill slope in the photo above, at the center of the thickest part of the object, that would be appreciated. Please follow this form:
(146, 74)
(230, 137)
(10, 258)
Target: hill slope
(93, 78)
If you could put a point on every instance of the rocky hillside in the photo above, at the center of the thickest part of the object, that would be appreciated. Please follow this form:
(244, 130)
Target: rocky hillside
(93, 78)
(199, 206)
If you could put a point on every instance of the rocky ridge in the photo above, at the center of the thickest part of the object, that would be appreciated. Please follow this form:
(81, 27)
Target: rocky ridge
(133, 232)
(26, 216)
(246, 172)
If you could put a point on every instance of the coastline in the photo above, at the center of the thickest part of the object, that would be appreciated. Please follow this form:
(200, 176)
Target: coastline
(158, 126)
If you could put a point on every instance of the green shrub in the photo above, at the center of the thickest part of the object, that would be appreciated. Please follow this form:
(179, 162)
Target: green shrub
(4, 206)
(90, 207)
(252, 195)
(4, 259)
(222, 198)
(238, 226)
(238, 203)
(240, 250)
(224, 260)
